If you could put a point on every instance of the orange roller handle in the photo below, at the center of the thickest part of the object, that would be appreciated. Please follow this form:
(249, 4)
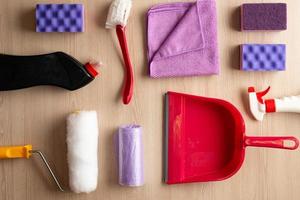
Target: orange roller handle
(9, 152)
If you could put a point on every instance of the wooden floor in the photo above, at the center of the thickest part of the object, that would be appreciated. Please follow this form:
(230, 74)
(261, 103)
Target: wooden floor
(37, 115)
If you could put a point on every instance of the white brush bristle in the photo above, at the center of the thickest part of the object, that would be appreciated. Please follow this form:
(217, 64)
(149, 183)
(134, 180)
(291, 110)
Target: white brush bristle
(82, 141)
(118, 13)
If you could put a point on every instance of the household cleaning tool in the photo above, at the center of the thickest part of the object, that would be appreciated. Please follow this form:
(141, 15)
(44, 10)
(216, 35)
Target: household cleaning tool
(263, 16)
(117, 18)
(59, 18)
(263, 57)
(259, 106)
(205, 139)
(58, 69)
(182, 39)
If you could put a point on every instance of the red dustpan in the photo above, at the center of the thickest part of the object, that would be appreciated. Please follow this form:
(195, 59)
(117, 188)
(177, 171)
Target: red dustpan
(205, 139)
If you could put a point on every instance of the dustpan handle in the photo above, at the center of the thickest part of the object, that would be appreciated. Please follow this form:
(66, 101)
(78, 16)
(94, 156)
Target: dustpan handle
(290, 143)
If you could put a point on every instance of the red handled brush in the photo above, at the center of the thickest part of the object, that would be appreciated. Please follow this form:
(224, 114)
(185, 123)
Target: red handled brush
(117, 18)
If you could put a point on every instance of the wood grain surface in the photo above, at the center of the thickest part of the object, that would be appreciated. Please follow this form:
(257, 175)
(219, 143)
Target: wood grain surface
(37, 115)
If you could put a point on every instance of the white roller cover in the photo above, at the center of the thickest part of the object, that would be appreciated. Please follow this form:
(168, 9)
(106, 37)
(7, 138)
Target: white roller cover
(82, 141)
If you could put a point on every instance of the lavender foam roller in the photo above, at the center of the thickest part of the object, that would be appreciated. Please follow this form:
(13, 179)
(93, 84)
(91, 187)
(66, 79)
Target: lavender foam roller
(130, 155)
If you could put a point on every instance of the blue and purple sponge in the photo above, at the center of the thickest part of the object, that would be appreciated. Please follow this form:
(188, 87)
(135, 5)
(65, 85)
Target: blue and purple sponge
(59, 18)
(263, 57)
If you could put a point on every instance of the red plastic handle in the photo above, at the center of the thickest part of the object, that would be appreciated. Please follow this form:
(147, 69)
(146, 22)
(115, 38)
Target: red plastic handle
(290, 143)
(128, 87)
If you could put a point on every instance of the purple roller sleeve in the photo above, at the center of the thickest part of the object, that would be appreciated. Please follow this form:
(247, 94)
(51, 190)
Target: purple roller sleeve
(59, 18)
(263, 57)
(130, 155)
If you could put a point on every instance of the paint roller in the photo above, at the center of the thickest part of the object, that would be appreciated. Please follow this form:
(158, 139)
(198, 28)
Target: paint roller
(82, 141)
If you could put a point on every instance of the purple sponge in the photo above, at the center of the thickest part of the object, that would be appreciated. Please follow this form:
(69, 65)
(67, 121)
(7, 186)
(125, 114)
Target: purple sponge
(59, 18)
(263, 57)
(263, 16)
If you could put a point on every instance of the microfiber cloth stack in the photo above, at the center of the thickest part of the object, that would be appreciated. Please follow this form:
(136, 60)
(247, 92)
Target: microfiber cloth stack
(182, 39)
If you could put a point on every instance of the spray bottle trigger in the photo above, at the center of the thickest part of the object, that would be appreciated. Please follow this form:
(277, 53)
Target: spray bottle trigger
(260, 95)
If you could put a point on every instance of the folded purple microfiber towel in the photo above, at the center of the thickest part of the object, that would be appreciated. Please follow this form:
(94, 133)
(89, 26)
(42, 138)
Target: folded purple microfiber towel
(182, 39)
